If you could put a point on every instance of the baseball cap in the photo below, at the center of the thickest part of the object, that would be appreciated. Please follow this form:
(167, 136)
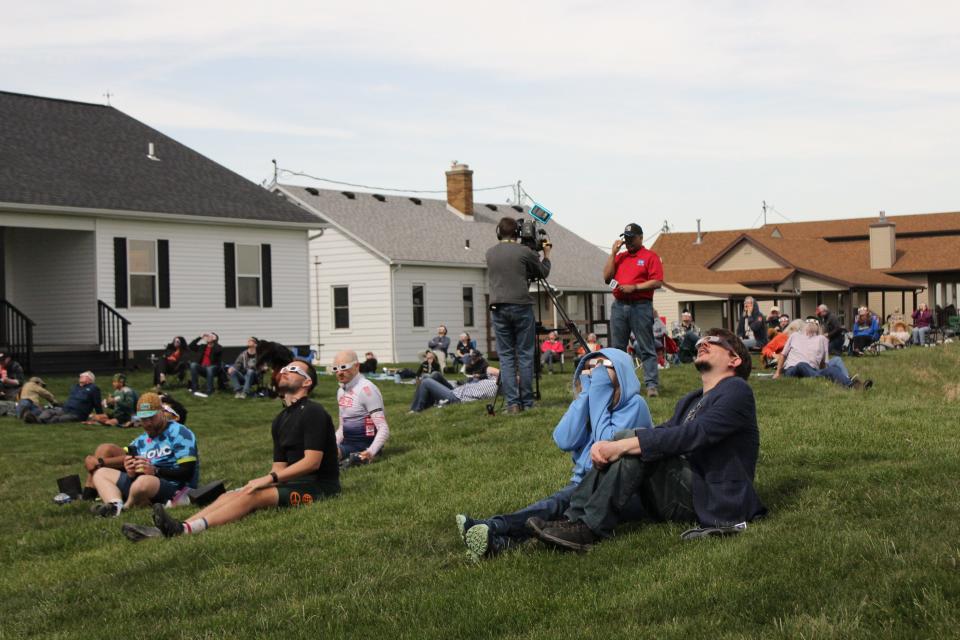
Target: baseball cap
(148, 405)
(632, 229)
(119, 377)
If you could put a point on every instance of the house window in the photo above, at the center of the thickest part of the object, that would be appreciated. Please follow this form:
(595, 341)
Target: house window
(341, 308)
(142, 261)
(418, 306)
(248, 275)
(468, 306)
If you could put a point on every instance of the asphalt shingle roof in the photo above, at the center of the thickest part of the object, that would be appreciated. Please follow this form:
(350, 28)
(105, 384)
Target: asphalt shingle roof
(404, 231)
(74, 154)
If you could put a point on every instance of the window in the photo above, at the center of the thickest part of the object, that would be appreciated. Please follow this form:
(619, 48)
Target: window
(142, 265)
(418, 310)
(468, 306)
(248, 275)
(341, 308)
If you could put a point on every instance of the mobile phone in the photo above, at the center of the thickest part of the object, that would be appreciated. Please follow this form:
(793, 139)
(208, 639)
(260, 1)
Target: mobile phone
(614, 284)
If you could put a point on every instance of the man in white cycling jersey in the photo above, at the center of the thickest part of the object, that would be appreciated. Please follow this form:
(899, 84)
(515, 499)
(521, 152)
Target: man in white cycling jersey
(363, 425)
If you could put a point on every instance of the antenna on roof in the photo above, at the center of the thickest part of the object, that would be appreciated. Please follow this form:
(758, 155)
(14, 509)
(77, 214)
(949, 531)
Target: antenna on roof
(108, 95)
(275, 170)
(764, 213)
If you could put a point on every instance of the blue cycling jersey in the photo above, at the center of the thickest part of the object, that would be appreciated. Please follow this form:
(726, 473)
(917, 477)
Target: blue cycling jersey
(175, 446)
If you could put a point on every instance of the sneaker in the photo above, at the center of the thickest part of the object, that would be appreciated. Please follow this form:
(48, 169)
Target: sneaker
(477, 539)
(867, 384)
(30, 418)
(652, 392)
(712, 532)
(138, 532)
(239, 395)
(180, 499)
(106, 510)
(464, 523)
(572, 536)
(200, 394)
(62, 498)
(168, 526)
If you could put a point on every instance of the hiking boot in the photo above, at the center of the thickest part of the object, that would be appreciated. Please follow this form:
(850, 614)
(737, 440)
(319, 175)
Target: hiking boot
(105, 510)
(30, 418)
(537, 525)
(652, 392)
(138, 532)
(464, 523)
(573, 536)
(477, 539)
(168, 526)
(867, 384)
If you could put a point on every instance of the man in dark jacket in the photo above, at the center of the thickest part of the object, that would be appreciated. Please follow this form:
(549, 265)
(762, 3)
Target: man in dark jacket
(83, 400)
(698, 466)
(208, 363)
(831, 328)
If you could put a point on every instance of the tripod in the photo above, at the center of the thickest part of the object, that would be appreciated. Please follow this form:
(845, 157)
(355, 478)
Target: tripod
(542, 285)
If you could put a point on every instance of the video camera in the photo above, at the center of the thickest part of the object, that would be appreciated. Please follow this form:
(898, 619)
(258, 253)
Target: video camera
(531, 235)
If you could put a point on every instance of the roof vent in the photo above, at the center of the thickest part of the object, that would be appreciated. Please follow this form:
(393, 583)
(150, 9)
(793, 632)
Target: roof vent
(776, 233)
(699, 239)
(150, 154)
(466, 243)
(313, 191)
(349, 195)
(378, 197)
(517, 208)
(416, 201)
(492, 207)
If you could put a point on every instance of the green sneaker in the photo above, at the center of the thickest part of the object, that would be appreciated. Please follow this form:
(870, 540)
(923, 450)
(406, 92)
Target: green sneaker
(477, 539)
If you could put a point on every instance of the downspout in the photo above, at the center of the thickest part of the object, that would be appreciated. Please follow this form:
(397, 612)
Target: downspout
(395, 358)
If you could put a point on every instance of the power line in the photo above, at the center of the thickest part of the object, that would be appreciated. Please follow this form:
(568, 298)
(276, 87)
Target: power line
(367, 186)
(777, 211)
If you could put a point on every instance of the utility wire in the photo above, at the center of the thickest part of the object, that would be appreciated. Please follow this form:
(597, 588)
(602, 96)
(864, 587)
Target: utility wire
(367, 186)
(777, 211)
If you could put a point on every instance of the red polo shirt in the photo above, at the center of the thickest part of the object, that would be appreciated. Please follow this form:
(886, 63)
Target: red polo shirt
(636, 268)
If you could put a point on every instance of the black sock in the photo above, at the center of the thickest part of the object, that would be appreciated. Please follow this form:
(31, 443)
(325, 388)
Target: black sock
(89, 493)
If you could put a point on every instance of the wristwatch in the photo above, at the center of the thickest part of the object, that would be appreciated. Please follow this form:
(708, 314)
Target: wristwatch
(100, 463)
(276, 479)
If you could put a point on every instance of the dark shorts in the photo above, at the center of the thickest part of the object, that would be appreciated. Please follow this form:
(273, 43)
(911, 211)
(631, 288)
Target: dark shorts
(303, 492)
(166, 491)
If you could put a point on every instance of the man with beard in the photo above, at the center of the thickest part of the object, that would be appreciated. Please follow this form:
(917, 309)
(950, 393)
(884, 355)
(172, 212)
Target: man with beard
(698, 466)
(304, 467)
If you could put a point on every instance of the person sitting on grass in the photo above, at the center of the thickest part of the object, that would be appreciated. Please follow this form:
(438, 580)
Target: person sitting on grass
(33, 397)
(778, 342)
(84, 399)
(552, 350)
(160, 463)
(243, 372)
(363, 428)
(11, 377)
(304, 469)
(428, 365)
(607, 400)
(592, 345)
(369, 364)
(805, 356)
(111, 455)
(698, 466)
(123, 402)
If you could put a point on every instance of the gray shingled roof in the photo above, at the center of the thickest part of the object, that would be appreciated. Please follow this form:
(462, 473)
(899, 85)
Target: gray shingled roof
(74, 154)
(405, 232)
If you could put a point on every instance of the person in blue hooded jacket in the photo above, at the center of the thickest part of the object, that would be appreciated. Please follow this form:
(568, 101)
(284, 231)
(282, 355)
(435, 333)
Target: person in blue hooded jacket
(607, 401)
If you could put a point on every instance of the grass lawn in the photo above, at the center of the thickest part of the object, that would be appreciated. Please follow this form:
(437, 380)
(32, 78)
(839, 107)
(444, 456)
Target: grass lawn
(863, 540)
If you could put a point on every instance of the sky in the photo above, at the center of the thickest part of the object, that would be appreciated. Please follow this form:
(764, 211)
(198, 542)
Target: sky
(608, 113)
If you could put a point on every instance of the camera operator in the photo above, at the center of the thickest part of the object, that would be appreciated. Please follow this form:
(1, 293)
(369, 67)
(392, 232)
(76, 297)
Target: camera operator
(634, 274)
(510, 267)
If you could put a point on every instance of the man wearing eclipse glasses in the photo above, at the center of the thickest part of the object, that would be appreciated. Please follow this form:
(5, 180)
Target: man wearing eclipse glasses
(696, 467)
(304, 468)
(363, 426)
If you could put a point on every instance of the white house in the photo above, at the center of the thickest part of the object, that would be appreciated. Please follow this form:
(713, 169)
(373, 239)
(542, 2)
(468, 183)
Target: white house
(103, 218)
(387, 270)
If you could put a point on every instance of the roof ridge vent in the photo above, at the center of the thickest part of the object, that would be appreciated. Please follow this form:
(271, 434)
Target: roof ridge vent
(349, 195)
(378, 197)
(313, 191)
(416, 201)
(516, 207)
(492, 207)
(150, 154)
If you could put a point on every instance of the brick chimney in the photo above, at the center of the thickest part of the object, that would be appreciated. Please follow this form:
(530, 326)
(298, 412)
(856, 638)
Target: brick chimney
(883, 243)
(460, 188)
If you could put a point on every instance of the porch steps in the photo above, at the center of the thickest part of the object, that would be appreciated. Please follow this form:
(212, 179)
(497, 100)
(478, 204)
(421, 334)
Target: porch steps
(73, 362)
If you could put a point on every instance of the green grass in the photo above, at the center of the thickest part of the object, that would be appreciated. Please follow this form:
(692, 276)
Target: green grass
(862, 540)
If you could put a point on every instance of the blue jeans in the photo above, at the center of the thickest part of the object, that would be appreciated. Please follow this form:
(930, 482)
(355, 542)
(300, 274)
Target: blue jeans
(835, 370)
(27, 405)
(430, 392)
(549, 357)
(210, 373)
(512, 525)
(514, 327)
(248, 378)
(920, 335)
(637, 318)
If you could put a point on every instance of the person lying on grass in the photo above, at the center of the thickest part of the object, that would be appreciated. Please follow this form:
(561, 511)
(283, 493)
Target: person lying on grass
(607, 401)
(698, 466)
(304, 467)
(157, 465)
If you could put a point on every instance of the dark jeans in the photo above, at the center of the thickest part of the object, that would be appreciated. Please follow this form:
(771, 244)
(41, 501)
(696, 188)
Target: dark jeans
(858, 343)
(242, 380)
(512, 525)
(549, 357)
(514, 327)
(836, 345)
(168, 369)
(429, 392)
(55, 415)
(835, 370)
(210, 373)
(636, 317)
(27, 405)
(606, 498)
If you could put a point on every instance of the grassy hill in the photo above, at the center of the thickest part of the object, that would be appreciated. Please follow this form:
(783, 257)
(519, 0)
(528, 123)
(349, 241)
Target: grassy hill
(862, 540)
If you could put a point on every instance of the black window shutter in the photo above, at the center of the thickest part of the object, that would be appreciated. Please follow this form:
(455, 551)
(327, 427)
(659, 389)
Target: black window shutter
(163, 273)
(230, 274)
(266, 275)
(120, 272)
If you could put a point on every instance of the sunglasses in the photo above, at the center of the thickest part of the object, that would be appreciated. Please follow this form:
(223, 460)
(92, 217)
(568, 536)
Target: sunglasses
(292, 368)
(341, 367)
(812, 321)
(717, 340)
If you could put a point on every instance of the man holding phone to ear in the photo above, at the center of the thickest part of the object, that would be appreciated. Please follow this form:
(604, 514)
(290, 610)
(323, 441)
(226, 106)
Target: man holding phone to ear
(634, 275)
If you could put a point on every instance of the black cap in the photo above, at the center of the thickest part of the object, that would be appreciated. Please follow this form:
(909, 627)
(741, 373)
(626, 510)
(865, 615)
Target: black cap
(632, 229)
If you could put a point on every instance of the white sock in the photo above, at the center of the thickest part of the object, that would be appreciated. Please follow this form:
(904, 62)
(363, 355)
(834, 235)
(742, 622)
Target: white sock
(118, 504)
(195, 526)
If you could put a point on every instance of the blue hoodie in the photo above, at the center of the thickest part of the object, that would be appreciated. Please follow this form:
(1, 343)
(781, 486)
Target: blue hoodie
(590, 419)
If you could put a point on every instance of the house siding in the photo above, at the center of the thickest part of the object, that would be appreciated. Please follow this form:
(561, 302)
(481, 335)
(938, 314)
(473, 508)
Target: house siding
(197, 301)
(746, 256)
(50, 278)
(670, 304)
(336, 259)
(443, 304)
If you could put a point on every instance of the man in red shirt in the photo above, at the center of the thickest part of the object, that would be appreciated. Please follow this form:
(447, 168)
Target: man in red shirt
(633, 275)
